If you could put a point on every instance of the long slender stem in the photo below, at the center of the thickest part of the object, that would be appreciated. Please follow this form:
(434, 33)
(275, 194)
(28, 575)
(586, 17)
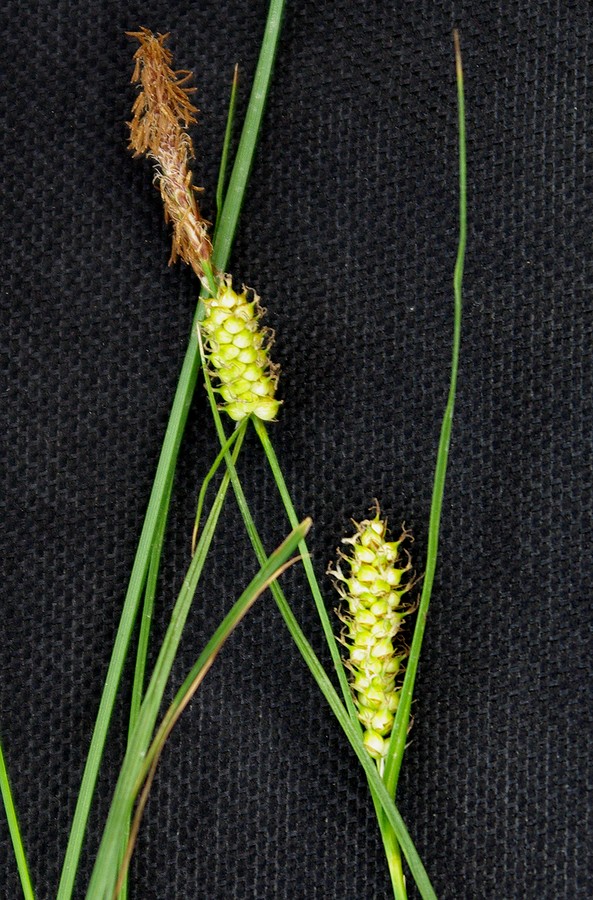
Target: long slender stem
(226, 145)
(253, 117)
(397, 744)
(15, 831)
(144, 636)
(147, 610)
(209, 476)
(393, 855)
(164, 474)
(328, 631)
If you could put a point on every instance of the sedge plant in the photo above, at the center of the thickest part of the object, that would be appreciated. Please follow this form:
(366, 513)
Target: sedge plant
(232, 345)
(394, 731)
(393, 739)
(215, 359)
(229, 344)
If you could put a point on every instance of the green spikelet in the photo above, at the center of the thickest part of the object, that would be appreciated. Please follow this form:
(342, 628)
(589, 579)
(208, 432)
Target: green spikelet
(373, 588)
(237, 349)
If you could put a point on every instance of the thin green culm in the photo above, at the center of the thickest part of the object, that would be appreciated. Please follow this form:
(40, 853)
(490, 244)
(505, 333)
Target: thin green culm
(397, 744)
(15, 831)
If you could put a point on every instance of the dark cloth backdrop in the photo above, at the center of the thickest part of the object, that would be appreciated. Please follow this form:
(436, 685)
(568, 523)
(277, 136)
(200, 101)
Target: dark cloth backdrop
(349, 234)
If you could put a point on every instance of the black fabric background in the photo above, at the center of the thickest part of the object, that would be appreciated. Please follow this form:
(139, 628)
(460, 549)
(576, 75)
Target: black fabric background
(349, 234)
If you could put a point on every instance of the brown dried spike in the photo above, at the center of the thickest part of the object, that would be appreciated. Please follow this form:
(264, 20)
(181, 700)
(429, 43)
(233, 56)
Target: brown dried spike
(161, 113)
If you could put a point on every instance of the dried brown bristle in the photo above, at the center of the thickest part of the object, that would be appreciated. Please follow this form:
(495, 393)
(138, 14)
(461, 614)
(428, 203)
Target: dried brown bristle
(162, 112)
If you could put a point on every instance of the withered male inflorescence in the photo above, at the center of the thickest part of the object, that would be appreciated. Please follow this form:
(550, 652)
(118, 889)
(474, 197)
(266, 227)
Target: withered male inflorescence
(162, 113)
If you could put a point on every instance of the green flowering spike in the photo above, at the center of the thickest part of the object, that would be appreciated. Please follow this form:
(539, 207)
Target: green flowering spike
(237, 349)
(372, 587)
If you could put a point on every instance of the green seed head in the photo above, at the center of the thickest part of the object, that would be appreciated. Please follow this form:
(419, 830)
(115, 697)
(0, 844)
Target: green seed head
(237, 351)
(371, 581)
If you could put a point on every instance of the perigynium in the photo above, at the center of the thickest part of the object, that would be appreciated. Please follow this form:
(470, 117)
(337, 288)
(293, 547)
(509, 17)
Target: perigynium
(373, 587)
(237, 353)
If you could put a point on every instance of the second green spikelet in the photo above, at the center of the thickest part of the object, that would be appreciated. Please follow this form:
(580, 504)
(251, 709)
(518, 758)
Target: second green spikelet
(373, 587)
(237, 353)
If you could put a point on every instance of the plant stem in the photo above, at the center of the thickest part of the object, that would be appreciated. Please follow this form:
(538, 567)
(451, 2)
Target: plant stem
(224, 158)
(210, 475)
(146, 621)
(253, 117)
(394, 858)
(145, 625)
(15, 832)
(210, 278)
(393, 760)
(328, 631)
(163, 478)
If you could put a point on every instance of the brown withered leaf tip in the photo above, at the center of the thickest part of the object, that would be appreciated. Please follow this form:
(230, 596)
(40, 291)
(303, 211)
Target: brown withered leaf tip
(162, 112)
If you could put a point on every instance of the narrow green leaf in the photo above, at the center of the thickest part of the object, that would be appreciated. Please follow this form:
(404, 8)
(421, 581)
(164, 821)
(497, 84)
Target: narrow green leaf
(393, 760)
(392, 852)
(145, 625)
(328, 631)
(253, 117)
(164, 474)
(15, 831)
(211, 473)
(224, 158)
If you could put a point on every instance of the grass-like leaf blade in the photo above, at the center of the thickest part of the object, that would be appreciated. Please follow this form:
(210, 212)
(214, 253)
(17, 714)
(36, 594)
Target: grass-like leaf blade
(397, 743)
(14, 830)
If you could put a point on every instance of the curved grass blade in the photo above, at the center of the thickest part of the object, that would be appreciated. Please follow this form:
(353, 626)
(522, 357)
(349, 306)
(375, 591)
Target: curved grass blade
(15, 831)
(397, 743)
(277, 564)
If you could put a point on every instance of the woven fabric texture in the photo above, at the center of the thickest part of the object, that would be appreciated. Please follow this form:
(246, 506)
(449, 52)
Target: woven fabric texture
(349, 235)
